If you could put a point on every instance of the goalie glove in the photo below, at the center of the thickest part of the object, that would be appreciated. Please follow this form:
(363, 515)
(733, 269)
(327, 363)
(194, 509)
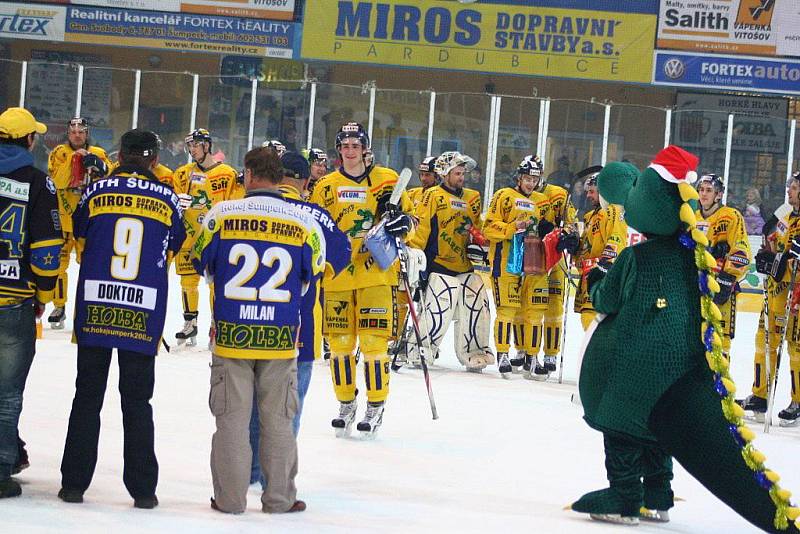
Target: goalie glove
(569, 242)
(726, 282)
(478, 254)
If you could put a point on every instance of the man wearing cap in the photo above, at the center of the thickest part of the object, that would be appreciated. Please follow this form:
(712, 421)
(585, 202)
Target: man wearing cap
(31, 243)
(130, 225)
(72, 165)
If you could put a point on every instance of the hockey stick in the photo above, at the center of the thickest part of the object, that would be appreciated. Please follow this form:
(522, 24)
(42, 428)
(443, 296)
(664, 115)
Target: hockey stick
(401, 250)
(772, 385)
(402, 341)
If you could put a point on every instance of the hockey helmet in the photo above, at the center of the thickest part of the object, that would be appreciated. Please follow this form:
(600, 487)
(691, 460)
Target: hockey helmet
(199, 135)
(276, 145)
(78, 124)
(589, 175)
(317, 155)
(716, 182)
(450, 160)
(531, 165)
(352, 130)
(428, 164)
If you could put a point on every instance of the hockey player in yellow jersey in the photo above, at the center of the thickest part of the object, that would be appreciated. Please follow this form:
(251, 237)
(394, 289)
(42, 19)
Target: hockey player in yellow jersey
(605, 234)
(161, 171)
(200, 185)
(318, 163)
(454, 293)
(772, 260)
(561, 212)
(521, 300)
(729, 244)
(427, 179)
(360, 303)
(71, 166)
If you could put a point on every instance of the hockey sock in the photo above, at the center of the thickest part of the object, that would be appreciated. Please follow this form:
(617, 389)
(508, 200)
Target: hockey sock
(343, 374)
(376, 376)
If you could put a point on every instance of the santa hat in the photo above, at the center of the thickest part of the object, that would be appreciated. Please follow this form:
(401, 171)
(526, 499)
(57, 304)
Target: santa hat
(676, 165)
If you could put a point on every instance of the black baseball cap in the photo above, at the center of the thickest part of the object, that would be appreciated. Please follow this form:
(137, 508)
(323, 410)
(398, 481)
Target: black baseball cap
(139, 143)
(295, 165)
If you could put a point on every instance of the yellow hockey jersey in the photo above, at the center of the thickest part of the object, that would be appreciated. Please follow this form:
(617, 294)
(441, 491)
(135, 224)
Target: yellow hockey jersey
(415, 195)
(726, 225)
(444, 220)
(786, 229)
(559, 210)
(59, 166)
(605, 234)
(353, 205)
(207, 187)
(507, 207)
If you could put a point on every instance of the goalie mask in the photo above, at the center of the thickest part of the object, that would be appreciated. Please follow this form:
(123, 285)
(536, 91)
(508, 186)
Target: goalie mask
(450, 160)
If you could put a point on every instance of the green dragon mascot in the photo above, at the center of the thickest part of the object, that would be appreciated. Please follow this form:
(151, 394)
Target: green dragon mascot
(653, 378)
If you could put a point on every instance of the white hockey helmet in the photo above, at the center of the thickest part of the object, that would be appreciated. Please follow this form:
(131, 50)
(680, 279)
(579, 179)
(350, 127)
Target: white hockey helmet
(279, 147)
(452, 159)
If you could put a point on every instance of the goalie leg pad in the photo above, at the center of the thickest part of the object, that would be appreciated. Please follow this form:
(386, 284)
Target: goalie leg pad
(440, 301)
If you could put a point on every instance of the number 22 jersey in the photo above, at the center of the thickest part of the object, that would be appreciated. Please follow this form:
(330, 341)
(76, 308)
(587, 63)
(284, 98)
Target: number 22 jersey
(128, 226)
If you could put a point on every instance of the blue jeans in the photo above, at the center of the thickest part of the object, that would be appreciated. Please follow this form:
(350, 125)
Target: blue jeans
(17, 347)
(304, 370)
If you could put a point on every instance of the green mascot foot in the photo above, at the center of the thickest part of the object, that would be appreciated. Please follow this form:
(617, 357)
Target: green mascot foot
(713, 455)
(609, 505)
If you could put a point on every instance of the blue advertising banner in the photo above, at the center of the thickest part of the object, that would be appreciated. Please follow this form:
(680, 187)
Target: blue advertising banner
(181, 31)
(741, 73)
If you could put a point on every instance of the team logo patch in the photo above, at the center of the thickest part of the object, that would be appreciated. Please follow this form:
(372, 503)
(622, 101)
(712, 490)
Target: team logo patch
(739, 259)
(524, 204)
(356, 195)
(458, 204)
(339, 308)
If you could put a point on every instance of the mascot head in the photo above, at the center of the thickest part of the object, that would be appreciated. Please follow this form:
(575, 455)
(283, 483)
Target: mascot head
(654, 199)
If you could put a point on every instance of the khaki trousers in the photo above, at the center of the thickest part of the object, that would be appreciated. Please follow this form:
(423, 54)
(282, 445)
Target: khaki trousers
(231, 401)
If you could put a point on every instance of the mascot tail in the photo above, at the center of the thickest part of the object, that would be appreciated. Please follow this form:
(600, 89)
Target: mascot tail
(690, 425)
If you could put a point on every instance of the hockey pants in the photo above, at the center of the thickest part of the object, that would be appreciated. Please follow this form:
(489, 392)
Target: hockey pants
(554, 314)
(793, 345)
(461, 299)
(521, 303)
(62, 283)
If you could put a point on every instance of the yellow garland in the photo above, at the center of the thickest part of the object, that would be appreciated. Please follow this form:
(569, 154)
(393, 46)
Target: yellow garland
(784, 511)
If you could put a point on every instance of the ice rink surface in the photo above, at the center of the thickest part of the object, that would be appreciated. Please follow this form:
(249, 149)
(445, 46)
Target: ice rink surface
(505, 455)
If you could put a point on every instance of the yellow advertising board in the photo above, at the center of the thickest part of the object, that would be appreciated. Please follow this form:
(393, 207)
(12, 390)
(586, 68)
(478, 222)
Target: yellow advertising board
(509, 39)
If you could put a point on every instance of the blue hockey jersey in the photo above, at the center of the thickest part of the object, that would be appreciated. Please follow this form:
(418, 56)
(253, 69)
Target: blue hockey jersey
(128, 226)
(337, 256)
(262, 254)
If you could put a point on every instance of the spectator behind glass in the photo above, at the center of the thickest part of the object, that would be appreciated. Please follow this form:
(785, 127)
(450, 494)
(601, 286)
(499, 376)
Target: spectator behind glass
(753, 215)
(578, 198)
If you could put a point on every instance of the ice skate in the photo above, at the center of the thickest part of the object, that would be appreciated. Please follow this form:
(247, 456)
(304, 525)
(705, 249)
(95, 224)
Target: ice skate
(343, 423)
(504, 365)
(616, 518)
(372, 420)
(654, 516)
(188, 334)
(57, 318)
(790, 416)
(550, 364)
(756, 408)
(517, 362)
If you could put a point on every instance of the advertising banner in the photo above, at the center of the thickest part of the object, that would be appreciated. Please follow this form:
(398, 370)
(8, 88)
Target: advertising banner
(755, 27)
(180, 32)
(741, 73)
(264, 9)
(31, 21)
(759, 125)
(488, 37)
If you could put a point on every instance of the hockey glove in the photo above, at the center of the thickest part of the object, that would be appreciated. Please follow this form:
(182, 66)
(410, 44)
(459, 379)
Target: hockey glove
(726, 284)
(794, 250)
(477, 254)
(764, 260)
(594, 276)
(94, 166)
(720, 250)
(569, 242)
(184, 201)
(544, 227)
(398, 224)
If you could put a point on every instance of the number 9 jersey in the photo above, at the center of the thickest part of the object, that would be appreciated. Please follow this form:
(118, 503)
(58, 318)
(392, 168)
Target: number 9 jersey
(261, 253)
(128, 226)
